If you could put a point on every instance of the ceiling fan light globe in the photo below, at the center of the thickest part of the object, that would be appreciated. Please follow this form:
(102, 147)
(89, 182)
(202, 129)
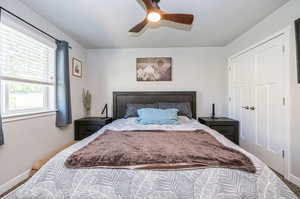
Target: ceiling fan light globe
(154, 17)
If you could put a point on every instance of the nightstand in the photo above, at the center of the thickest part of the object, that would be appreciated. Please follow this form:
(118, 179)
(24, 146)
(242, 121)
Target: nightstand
(87, 126)
(225, 126)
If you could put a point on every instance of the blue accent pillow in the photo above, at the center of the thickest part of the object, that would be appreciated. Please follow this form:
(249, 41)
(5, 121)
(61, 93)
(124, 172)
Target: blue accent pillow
(157, 116)
(132, 109)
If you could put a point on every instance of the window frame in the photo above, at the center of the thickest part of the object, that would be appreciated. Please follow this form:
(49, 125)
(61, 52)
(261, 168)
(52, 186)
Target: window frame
(49, 96)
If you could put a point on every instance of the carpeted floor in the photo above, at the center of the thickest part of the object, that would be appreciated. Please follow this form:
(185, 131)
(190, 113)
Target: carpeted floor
(292, 186)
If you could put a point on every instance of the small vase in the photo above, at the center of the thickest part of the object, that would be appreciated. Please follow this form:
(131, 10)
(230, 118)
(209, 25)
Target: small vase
(87, 113)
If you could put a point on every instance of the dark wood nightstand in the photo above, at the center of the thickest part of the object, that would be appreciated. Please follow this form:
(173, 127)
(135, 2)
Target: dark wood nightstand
(87, 126)
(227, 127)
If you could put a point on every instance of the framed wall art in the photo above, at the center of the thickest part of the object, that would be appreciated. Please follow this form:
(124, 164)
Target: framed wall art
(154, 69)
(76, 67)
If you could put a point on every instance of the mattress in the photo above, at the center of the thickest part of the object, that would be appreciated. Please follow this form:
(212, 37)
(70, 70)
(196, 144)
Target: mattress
(54, 180)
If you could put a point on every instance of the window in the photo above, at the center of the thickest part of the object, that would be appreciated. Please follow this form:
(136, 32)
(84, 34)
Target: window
(27, 73)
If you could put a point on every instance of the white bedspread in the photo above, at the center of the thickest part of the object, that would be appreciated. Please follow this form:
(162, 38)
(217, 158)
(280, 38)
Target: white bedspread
(54, 180)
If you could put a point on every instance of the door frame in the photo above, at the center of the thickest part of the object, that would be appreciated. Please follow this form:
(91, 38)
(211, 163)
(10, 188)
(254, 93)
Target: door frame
(287, 92)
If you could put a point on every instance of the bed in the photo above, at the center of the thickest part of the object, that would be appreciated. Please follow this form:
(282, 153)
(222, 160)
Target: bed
(54, 180)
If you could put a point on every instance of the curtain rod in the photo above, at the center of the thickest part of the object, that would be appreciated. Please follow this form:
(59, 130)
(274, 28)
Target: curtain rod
(33, 26)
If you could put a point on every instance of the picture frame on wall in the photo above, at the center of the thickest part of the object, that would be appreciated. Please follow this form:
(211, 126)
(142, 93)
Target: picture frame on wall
(297, 30)
(154, 69)
(76, 67)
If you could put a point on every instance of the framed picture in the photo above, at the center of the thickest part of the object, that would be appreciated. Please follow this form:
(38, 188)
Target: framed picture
(154, 69)
(297, 28)
(76, 67)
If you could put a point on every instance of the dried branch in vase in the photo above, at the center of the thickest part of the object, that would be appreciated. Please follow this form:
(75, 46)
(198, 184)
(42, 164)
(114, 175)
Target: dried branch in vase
(87, 102)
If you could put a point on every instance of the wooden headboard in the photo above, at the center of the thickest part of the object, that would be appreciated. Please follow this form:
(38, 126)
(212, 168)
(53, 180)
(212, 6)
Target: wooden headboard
(121, 99)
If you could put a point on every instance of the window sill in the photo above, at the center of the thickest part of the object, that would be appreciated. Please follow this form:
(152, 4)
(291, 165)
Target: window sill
(26, 116)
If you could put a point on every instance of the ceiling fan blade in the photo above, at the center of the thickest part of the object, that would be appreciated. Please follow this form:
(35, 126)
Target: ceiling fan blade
(179, 18)
(139, 27)
(148, 3)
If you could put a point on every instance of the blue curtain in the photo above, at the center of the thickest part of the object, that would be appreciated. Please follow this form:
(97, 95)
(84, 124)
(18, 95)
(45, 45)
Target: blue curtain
(63, 97)
(1, 132)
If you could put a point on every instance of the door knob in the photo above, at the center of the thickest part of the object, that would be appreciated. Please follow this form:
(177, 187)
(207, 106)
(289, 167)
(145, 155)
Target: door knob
(252, 108)
(246, 107)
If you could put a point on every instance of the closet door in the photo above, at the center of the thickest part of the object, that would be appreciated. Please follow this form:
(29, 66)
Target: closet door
(242, 74)
(257, 89)
(270, 108)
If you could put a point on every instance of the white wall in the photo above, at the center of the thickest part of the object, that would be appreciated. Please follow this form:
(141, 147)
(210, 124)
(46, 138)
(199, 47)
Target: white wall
(283, 17)
(194, 69)
(30, 140)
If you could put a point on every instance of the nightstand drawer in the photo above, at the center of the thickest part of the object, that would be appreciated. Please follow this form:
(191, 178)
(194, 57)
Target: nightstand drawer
(85, 127)
(224, 130)
(89, 129)
(86, 131)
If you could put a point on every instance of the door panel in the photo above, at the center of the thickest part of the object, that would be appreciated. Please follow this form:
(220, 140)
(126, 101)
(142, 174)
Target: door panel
(276, 128)
(236, 104)
(244, 111)
(244, 67)
(270, 73)
(269, 63)
(243, 70)
(261, 115)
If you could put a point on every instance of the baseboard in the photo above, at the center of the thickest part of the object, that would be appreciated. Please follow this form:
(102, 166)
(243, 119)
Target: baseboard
(294, 179)
(13, 182)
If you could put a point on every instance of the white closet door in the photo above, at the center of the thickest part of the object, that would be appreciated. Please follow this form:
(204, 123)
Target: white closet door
(257, 90)
(270, 109)
(242, 92)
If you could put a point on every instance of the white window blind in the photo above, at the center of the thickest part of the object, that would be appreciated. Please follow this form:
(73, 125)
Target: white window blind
(27, 71)
(23, 58)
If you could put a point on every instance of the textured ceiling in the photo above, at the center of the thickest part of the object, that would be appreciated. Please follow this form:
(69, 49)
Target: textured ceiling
(105, 24)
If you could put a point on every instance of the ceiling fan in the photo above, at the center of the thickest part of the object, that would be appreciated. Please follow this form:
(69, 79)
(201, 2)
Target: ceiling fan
(155, 14)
